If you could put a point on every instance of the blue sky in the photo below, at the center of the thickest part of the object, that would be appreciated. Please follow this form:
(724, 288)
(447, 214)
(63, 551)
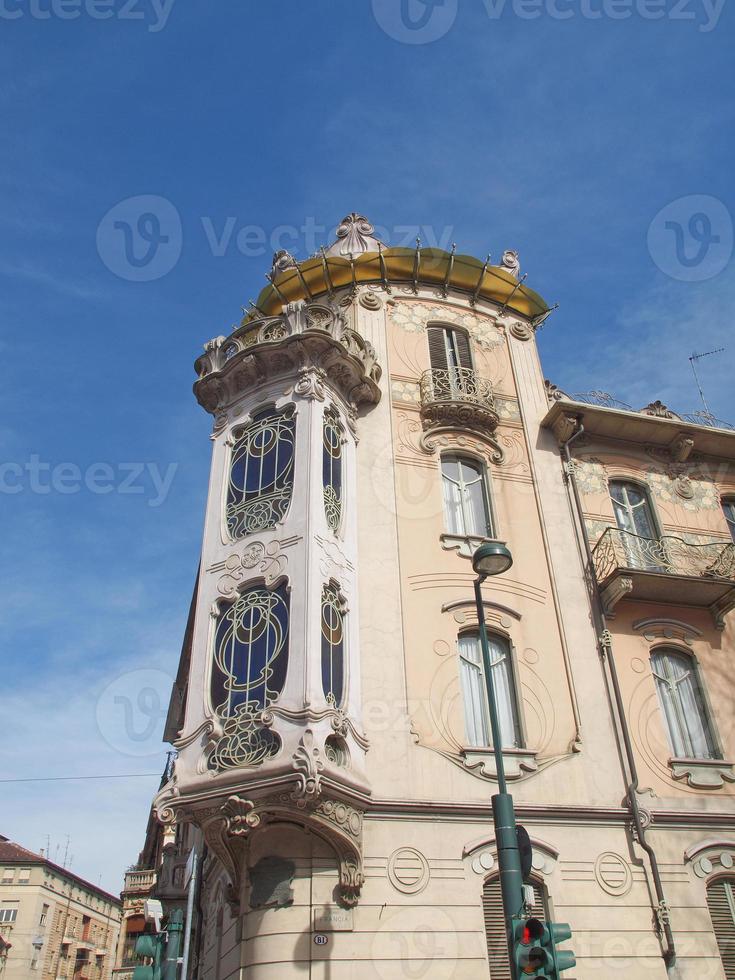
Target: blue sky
(562, 138)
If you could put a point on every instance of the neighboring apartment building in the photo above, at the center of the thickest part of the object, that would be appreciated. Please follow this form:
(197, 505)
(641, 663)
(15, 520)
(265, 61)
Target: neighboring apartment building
(53, 924)
(379, 414)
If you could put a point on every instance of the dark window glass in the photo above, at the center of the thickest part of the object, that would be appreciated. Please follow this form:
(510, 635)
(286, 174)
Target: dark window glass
(333, 645)
(332, 468)
(261, 473)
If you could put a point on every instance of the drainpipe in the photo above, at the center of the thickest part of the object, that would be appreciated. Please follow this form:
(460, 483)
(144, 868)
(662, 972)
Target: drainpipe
(606, 653)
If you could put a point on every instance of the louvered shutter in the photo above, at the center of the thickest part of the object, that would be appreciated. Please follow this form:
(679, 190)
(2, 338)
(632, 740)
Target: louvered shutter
(462, 345)
(721, 902)
(497, 944)
(437, 349)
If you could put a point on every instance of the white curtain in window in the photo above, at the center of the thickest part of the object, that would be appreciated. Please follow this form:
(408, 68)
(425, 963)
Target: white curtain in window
(682, 705)
(466, 507)
(477, 719)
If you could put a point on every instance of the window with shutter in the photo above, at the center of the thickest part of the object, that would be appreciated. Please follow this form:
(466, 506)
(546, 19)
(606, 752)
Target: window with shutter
(497, 944)
(721, 902)
(449, 348)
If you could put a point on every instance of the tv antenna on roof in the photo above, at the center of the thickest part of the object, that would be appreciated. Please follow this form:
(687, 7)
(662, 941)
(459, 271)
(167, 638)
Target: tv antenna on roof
(696, 357)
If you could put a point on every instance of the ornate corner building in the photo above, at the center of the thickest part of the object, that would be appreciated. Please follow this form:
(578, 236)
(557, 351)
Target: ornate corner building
(376, 416)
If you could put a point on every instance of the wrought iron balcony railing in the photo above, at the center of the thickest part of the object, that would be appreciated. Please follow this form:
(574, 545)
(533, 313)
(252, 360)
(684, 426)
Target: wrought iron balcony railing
(457, 396)
(665, 569)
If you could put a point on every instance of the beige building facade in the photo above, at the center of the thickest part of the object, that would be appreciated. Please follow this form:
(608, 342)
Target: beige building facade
(379, 414)
(53, 924)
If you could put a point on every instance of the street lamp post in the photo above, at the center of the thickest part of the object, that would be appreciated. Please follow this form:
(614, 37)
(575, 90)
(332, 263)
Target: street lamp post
(493, 558)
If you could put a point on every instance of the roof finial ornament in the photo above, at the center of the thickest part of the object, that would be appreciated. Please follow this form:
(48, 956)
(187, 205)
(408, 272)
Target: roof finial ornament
(511, 263)
(282, 260)
(355, 235)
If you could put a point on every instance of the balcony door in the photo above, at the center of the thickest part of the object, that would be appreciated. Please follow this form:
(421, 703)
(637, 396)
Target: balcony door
(451, 360)
(634, 515)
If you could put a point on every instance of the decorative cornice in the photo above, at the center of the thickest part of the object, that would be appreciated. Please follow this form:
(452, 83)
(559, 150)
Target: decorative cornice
(312, 341)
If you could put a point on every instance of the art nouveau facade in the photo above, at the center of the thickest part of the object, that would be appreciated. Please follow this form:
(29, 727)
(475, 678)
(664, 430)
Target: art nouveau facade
(379, 414)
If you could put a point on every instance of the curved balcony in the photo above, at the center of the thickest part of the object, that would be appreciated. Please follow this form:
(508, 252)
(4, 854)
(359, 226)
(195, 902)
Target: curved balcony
(457, 398)
(666, 569)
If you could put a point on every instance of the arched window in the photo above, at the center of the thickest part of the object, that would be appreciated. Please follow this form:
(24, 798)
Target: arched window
(466, 499)
(634, 516)
(250, 652)
(475, 696)
(333, 645)
(721, 904)
(683, 706)
(332, 436)
(261, 473)
(728, 509)
(497, 942)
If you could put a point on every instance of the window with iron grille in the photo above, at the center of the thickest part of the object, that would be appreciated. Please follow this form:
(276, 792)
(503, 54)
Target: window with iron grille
(495, 934)
(721, 904)
(260, 481)
(250, 651)
(333, 645)
(332, 437)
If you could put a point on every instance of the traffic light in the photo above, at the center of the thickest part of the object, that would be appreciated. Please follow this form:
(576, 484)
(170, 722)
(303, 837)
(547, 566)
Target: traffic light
(534, 949)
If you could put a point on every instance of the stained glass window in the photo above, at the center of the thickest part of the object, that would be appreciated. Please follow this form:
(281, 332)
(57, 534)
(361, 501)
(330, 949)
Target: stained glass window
(332, 468)
(261, 473)
(250, 651)
(333, 645)
(249, 671)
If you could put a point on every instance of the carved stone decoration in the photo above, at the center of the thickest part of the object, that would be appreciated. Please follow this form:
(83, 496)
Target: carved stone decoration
(240, 817)
(313, 336)
(658, 410)
(553, 393)
(613, 874)
(370, 300)
(355, 235)
(282, 260)
(616, 590)
(311, 384)
(521, 331)
(308, 763)
(408, 870)
(684, 487)
(681, 448)
(511, 263)
(447, 437)
(269, 560)
(564, 427)
(220, 423)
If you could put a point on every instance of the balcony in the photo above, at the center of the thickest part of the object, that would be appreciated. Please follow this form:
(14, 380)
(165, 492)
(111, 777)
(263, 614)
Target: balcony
(457, 398)
(139, 881)
(665, 569)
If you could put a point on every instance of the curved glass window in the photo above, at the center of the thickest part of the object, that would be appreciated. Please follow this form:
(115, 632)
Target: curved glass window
(466, 500)
(682, 704)
(475, 695)
(332, 468)
(333, 645)
(261, 473)
(250, 652)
